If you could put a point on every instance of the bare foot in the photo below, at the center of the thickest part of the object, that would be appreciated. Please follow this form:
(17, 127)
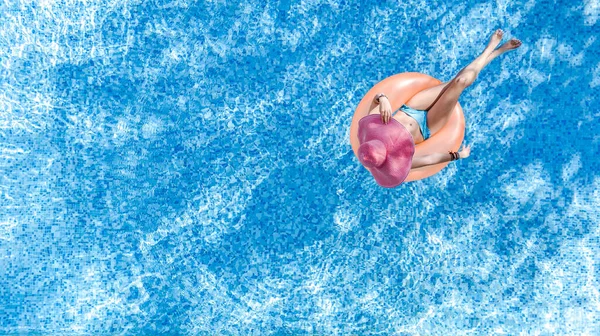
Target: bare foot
(510, 45)
(496, 38)
(494, 41)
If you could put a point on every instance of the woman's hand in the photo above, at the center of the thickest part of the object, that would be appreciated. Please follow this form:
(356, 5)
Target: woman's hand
(465, 152)
(385, 109)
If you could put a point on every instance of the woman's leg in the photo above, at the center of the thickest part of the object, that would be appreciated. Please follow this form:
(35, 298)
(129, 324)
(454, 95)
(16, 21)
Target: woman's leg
(425, 99)
(443, 105)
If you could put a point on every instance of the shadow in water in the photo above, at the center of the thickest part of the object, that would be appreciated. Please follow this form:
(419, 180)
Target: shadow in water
(290, 210)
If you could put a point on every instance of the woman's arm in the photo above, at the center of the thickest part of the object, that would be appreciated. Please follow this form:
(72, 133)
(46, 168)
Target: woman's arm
(375, 102)
(431, 159)
(385, 109)
(435, 158)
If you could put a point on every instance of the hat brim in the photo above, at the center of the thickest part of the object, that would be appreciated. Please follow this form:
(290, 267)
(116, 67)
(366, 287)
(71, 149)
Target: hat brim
(399, 145)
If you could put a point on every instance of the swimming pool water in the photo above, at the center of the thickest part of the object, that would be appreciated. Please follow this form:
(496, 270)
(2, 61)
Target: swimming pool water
(184, 167)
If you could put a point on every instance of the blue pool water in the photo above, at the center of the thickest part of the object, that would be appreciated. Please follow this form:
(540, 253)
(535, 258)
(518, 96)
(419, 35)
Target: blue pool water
(184, 167)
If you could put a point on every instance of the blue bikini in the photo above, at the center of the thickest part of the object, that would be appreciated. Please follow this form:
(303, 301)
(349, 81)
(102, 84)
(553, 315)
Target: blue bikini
(420, 116)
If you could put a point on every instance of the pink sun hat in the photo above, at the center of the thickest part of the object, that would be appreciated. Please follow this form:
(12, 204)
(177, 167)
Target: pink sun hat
(386, 150)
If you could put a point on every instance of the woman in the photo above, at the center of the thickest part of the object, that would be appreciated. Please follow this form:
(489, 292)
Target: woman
(427, 111)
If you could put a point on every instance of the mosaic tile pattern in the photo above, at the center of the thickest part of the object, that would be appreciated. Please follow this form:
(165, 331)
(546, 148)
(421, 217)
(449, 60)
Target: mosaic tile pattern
(183, 167)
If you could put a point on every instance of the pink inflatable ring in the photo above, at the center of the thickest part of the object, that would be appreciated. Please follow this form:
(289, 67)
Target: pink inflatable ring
(400, 89)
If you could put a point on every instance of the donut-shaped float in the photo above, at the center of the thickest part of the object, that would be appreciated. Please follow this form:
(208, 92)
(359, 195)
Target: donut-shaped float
(400, 89)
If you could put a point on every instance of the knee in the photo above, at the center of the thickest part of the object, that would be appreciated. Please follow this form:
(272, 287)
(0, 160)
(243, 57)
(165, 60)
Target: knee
(462, 81)
(465, 78)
